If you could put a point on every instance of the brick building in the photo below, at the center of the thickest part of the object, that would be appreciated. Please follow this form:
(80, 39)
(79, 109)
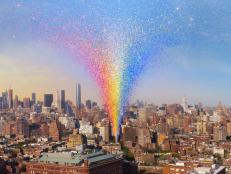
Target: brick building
(44, 130)
(70, 163)
(76, 140)
(54, 131)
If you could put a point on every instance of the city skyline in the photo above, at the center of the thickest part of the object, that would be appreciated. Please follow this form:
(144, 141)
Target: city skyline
(59, 98)
(197, 68)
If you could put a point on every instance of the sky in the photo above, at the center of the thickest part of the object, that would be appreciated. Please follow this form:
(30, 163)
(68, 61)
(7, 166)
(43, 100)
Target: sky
(194, 37)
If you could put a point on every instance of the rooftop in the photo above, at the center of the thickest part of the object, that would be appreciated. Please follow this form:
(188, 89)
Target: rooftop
(71, 158)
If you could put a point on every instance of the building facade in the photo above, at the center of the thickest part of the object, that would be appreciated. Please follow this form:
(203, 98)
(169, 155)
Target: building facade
(69, 163)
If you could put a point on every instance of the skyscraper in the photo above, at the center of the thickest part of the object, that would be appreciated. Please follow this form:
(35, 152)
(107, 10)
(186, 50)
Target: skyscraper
(58, 101)
(4, 100)
(1, 102)
(184, 104)
(16, 102)
(78, 96)
(10, 98)
(88, 104)
(26, 102)
(48, 100)
(63, 100)
(33, 98)
(22, 127)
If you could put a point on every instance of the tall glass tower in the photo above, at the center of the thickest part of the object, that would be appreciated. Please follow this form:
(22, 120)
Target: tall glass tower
(78, 96)
(63, 100)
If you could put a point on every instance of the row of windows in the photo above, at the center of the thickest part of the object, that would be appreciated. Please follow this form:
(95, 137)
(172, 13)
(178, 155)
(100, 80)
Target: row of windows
(51, 172)
(107, 170)
(57, 169)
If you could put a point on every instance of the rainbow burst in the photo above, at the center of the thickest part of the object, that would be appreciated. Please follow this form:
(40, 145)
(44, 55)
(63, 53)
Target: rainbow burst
(115, 41)
(115, 65)
(116, 52)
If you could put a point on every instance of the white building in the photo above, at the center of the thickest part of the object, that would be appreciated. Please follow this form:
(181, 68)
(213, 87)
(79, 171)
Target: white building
(46, 110)
(215, 117)
(58, 102)
(219, 151)
(68, 122)
(184, 104)
(104, 133)
(208, 170)
(145, 113)
(2, 123)
(85, 127)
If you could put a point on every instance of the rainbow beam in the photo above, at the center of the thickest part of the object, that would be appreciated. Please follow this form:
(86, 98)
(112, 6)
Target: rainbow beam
(116, 51)
(106, 72)
(115, 69)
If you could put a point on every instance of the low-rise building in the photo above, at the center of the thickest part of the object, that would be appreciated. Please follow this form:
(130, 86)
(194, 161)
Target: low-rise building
(73, 163)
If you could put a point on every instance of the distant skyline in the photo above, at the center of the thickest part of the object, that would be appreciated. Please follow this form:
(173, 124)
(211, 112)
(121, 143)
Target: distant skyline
(40, 97)
(199, 68)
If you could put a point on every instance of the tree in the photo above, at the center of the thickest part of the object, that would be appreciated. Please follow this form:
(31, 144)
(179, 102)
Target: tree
(128, 154)
(218, 159)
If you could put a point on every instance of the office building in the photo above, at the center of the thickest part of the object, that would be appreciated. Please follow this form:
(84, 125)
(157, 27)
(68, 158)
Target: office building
(69, 109)
(58, 101)
(22, 127)
(228, 125)
(184, 104)
(16, 102)
(219, 133)
(4, 100)
(37, 108)
(1, 102)
(48, 100)
(104, 132)
(78, 96)
(63, 100)
(85, 128)
(26, 102)
(88, 104)
(33, 98)
(10, 98)
(129, 134)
